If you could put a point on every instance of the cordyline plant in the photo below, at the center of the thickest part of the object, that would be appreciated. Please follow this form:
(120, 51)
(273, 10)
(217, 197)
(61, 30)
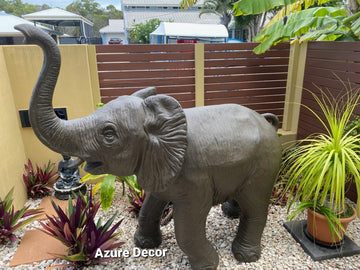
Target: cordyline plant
(77, 230)
(11, 220)
(38, 181)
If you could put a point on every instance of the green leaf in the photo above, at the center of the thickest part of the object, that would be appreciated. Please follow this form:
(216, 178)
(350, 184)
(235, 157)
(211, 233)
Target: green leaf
(89, 177)
(107, 191)
(298, 24)
(251, 7)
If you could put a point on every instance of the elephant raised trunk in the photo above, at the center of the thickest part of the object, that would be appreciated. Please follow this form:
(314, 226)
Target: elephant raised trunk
(52, 131)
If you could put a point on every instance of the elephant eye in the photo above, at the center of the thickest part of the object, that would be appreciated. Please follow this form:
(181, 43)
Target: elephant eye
(109, 135)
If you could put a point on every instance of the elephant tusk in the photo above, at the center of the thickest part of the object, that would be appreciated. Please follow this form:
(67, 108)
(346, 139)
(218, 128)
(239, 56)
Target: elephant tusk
(76, 163)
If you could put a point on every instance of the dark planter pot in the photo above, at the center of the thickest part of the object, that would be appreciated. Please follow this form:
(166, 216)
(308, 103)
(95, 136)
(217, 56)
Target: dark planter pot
(318, 227)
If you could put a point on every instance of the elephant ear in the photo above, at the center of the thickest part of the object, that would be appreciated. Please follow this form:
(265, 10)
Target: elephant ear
(165, 126)
(144, 93)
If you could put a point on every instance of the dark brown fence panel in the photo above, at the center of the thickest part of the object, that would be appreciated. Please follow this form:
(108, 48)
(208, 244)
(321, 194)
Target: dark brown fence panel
(333, 67)
(234, 74)
(125, 69)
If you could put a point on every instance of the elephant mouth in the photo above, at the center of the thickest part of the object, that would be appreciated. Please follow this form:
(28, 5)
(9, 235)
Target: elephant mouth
(88, 166)
(92, 165)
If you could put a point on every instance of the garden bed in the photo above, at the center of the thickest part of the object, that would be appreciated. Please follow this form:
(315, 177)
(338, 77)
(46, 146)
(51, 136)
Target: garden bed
(279, 249)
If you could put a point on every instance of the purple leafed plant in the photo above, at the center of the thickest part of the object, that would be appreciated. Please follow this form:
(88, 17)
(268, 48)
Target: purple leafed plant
(136, 200)
(77, 230)
(11, 220)
(38, 181)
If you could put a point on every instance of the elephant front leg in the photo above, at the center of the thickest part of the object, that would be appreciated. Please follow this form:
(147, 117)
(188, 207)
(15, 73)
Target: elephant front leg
(190, 223)
(148, 234)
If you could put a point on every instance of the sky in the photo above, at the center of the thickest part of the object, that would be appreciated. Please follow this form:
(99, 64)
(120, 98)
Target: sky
(64, 3)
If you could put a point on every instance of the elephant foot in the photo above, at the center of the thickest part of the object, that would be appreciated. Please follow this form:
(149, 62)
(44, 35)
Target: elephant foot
(231, 209)
(210, 263)
(246, 253)
(208, 267)
(147, 241)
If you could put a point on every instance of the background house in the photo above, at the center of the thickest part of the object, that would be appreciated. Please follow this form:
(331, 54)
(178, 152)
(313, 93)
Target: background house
(57, 17)
(141, 11)
(115, 29)
(169, 32)
(10, 36)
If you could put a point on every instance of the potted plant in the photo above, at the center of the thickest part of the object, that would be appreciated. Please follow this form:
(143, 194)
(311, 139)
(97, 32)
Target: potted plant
(318, 168)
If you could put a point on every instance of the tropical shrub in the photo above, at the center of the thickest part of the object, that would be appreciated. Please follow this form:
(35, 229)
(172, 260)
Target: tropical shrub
(11, 220)
(319, 168)
(280, 194)
(354, 126)
(77, 230)
(105, 185)
(38, 181)
(136, 195)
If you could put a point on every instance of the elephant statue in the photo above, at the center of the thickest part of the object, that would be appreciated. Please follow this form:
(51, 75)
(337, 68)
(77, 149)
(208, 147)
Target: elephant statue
(196, 158)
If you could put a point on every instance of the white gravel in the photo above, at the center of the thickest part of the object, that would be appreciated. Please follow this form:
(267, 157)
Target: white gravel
(279, 249)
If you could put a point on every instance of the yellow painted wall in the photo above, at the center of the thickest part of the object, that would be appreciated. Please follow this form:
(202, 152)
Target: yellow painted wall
(77, 90)
(12, 156)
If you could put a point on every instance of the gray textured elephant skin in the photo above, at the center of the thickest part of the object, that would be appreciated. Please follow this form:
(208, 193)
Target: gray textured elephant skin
(196, 158)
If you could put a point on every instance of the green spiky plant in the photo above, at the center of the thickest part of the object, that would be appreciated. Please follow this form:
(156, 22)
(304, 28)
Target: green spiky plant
(77, 230)
(11, 220)
(38, 180)
(319, 167)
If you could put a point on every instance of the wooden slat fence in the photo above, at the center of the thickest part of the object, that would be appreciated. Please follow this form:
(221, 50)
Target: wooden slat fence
(232, 73)
(124, 69)
(332, 67)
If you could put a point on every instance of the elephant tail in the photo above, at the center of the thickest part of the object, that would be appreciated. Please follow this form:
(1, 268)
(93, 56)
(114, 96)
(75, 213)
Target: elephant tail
(272, 119)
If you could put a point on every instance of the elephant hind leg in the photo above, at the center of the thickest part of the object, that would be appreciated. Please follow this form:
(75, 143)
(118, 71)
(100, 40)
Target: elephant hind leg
(253, 201)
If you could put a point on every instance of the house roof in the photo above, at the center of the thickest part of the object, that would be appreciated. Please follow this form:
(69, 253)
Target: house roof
(115, 26)
(191, 30)
(58, 17)
(135, 17)
(8, 21)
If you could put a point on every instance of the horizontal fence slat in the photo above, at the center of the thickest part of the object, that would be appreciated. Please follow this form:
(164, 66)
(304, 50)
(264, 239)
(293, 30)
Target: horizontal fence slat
(244, 85)
(245, 77)
(146, 66)
(143, 57)
(145, 82)
(244, 54)
(245, 93)
(334, 45)
(334, 55)
(159, 89)
(145, 74)
(241, 46)
(333, 65)
(246, 62)
(334, 75)
(246, 70)
(140, 48)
